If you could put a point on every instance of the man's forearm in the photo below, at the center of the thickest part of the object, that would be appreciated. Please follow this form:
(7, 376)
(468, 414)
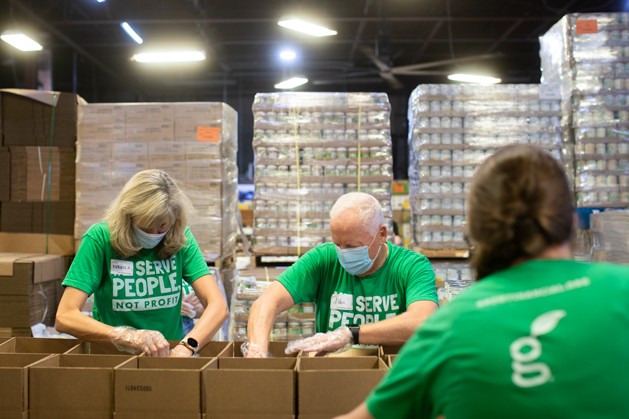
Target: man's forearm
(261, 318)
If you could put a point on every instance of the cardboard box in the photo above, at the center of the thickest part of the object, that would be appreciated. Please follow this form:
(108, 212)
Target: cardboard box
(332, 386)
(243, 387)
(386, 350)
(95, 348)
(77, 386)
(161, 387)
(5, 174)
(389, 360)
(37, 217)
(368, 351)
(27, 345)
(53, 244)
(14, 383)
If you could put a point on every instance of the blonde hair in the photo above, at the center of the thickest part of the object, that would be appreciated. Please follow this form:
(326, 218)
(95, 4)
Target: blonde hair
(365, 207)
(149, 196)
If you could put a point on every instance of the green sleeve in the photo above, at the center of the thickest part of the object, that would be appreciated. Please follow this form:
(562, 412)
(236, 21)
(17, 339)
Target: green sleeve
(406, 390)
(86, 271)
(194, 264)
(303, 277)
(421, 283)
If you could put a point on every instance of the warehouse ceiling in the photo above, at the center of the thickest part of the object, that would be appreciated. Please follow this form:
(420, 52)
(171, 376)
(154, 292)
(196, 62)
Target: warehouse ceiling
(90, 53)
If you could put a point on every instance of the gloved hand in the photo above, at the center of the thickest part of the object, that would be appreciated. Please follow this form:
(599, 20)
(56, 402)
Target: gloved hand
(187, 309)
(322, 343)
(134, 341)
(252, 350)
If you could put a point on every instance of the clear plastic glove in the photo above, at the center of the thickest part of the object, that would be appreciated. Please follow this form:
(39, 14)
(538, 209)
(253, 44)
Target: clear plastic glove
(252, 350)
(323, 343)
(187, 309)
(134, 341)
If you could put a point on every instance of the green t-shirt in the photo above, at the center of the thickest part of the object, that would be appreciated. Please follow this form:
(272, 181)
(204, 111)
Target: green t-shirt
(143, 291)
(543, 339)
(343, 299)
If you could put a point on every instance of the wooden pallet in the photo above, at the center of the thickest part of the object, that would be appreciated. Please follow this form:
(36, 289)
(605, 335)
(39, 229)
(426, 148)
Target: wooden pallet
(443, 253)
(223, 262)
(260, 261)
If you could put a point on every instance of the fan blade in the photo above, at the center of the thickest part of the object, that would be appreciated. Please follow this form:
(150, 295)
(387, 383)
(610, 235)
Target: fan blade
(392, 80)
(421, 73)
(382, 66)
(341, 80)
(395, 70)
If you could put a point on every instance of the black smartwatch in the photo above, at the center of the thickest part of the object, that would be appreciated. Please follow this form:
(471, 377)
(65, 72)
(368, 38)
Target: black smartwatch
(355, 333)
(191, 343)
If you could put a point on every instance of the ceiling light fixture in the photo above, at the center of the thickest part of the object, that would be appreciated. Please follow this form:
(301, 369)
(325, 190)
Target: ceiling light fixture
(169, 56)
(308, 28)
(21, 41)
(291, 83)
(474, 78)
(133, 34)
(288, 55)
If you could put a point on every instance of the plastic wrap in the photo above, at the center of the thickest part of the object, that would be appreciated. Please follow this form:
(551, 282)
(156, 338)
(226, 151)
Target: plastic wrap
(196, 143)
(295, 323)
(455, 276)
(586, 58)
(452, 130)
(310, 148)
(608, 231)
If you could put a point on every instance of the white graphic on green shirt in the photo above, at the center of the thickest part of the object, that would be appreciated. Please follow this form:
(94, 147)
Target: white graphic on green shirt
(527, 349)
(345, 309)
(144, 285)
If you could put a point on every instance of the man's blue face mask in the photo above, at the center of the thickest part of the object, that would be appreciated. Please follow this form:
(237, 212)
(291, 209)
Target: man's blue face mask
(356, 260)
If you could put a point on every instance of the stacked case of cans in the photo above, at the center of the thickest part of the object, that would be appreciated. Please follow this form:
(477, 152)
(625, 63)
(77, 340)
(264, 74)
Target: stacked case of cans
(610, 242)
(310, 148)
(585, 60)
(452, 129)
(196, 143)
(296, 323)
(456, 276)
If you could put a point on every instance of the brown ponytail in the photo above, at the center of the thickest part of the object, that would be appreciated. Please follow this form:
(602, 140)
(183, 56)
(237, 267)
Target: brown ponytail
(519, 204)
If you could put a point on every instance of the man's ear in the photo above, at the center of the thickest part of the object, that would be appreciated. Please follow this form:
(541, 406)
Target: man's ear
(383, 231)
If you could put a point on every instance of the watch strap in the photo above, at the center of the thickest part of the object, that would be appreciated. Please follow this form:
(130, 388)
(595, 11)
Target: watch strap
(355, 334)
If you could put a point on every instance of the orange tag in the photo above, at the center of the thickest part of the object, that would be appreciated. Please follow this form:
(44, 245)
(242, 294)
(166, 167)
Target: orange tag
(208, 134)
(585, 26)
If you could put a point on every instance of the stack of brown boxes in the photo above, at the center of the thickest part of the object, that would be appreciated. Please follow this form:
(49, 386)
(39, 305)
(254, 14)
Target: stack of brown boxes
(37, 162)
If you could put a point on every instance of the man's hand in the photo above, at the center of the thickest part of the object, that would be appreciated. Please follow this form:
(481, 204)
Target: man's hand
(323, 343)
(251, 350)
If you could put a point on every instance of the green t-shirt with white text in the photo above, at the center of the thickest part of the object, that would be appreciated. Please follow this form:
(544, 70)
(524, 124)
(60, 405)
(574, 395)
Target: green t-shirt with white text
(343, 299)
(143, 291)
(543, 339)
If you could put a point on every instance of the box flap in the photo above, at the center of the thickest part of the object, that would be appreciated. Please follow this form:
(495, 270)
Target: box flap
(44, 96)
(45, 267)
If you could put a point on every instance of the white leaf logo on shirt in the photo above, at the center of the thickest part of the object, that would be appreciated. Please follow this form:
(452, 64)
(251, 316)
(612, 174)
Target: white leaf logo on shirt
(546, 322)
(526, 350)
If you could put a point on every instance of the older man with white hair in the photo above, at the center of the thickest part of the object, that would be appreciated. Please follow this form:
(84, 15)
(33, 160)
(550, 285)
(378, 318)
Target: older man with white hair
(366, 290)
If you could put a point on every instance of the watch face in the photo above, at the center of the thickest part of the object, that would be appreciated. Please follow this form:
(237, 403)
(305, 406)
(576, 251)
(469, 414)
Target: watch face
(193, 342)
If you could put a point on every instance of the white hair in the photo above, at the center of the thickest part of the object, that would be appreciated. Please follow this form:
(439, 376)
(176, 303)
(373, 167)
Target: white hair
(365, 208)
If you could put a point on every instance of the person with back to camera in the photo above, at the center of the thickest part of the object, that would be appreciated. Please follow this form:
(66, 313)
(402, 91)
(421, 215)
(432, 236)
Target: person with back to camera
(539, 335)
(134, 264)
(366, 290)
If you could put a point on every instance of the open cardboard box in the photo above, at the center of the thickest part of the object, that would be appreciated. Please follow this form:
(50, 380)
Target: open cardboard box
(38, 345)
(160, 388)
(389, 360)
(357, 351)
(213, 349)
(77, 386)
(332, 386)
(14, 383)
(245, 387)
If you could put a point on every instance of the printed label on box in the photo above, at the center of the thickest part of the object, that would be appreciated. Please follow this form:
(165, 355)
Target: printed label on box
(208, 134)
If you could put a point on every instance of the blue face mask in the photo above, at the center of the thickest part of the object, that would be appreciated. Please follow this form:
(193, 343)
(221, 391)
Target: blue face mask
(147, 240)
(356, 260)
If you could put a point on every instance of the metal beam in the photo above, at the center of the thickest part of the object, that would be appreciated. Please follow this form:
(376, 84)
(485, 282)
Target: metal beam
(504, 35)
(433, 31)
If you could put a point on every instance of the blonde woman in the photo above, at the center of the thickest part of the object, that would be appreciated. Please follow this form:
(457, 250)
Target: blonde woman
(134, 263)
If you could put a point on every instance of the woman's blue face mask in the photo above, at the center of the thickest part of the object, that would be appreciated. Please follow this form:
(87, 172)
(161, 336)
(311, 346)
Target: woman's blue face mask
(356, 260)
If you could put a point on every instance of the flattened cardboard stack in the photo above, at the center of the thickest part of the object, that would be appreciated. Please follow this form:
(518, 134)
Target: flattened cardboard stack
(196, 143)
(452, 129)
(37, 173)
(310, 148)
(30, 290)
(584, 62)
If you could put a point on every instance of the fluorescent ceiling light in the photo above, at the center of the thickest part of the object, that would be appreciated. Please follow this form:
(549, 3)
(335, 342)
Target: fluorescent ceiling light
(133, 34)
(21, 42)
(169, 56)
(100, 1)
(474, 78)
(288, 55)
(291, 83)
(306, 27)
